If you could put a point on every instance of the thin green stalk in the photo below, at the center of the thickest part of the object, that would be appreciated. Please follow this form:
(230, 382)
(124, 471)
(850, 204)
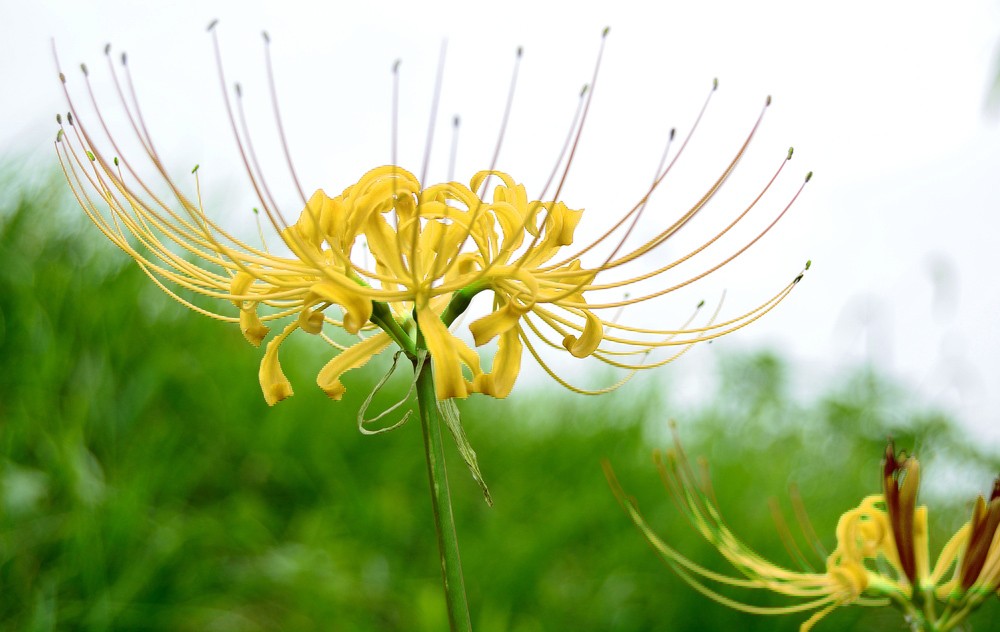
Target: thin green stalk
(444, 519)
(382, 316)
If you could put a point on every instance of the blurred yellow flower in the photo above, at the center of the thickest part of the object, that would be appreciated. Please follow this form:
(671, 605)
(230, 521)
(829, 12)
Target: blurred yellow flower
(398, 261)
(881, 556)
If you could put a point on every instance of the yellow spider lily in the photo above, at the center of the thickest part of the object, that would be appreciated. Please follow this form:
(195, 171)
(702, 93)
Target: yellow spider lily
(881, 556)
(400, 260)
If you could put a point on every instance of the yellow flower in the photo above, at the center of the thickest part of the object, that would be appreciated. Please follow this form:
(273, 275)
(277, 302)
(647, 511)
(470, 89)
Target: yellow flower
(881, 556)
(394, 260)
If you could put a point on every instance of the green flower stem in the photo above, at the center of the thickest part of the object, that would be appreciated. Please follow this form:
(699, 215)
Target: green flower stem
(444, 519)
(382, 316)
(460, 302)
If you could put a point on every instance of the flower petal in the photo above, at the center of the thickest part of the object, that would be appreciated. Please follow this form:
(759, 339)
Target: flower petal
(252, 327)
(506, 365)
(448, 353)
(589, 340)
(239, 285)
(273, 382)
(497, 322)
(311, 321)
(568, 220)
(344, 292)
(355, 356)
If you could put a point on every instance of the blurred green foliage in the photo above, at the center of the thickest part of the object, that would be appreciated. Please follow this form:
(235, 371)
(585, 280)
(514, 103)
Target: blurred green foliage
(145, 485)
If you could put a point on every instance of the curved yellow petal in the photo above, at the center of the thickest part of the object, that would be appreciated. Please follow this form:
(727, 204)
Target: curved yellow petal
(589, 339)
(468, 356)
(506, 365)
(448, 353)
(851, 577)
(315, 220)
(239, 285)
(355, 356)
(384, 247)
(311, 321)
(252, 327)
(568, 220)
(273, 382)
(344, 292)
(322, 219)
(497, 322)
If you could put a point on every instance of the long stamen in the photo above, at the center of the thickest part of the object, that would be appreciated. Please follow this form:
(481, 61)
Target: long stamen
(97, 158)
(277, 116)
(805, 524)
(438, 81)
(583, 108)
(238, 91)
(493, 162)
(273, 213)
(659, 179)
(503, 121)
(712, 269)
(452, 157)
(508, 247)
(279, 222)
(696, 251)
(573, 147)
(583, 117)
(700, 204)
(785, 535)
(562, 382)
(394, 138)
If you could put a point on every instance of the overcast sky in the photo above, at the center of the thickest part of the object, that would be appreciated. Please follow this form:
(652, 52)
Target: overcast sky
(884, 101)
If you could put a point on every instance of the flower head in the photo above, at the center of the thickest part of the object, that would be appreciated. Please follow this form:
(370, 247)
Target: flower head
(881, 556)
(393, 259)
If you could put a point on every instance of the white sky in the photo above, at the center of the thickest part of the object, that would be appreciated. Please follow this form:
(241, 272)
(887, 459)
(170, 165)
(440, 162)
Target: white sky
(884, 101)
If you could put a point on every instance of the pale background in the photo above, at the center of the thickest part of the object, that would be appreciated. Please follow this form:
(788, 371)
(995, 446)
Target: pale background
(885, 101)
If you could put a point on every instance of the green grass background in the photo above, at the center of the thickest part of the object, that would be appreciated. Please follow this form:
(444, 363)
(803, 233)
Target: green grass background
(145, 484)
